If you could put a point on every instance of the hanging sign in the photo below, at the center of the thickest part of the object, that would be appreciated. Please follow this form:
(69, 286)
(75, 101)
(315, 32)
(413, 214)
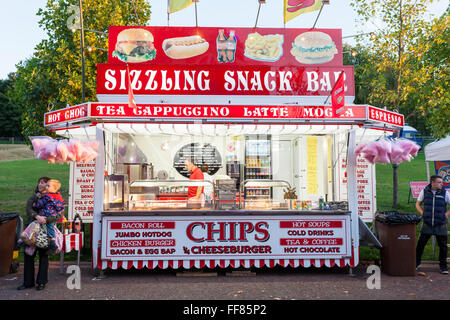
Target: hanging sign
(79, 112)
(122, 111)
(385, 116)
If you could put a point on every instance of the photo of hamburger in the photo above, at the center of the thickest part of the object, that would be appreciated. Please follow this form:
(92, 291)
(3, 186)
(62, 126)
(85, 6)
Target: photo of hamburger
(134, 45)
(313, 47)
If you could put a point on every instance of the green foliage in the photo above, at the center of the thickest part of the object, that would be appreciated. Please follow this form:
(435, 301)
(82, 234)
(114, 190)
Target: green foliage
(10, 119)
(52, 77)
(404, 65)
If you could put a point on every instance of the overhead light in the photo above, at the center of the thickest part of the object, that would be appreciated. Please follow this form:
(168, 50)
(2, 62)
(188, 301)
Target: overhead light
(165, 146)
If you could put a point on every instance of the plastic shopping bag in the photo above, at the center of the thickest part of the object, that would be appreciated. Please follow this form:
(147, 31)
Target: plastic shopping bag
(28, 236)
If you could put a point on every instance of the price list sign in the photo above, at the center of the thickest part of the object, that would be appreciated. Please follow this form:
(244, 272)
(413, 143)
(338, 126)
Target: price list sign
(82, 190)
(315, 237)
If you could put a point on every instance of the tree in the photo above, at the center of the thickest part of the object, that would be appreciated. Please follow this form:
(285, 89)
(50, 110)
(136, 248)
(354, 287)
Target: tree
(10, 119)
(432, 96)
(393, 50)
(52, 77)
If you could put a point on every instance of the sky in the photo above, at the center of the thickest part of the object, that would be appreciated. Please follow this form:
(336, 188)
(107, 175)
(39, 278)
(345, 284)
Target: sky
(20, 16)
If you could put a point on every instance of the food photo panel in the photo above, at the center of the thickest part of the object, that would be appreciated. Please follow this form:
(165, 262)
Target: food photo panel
(225, 46)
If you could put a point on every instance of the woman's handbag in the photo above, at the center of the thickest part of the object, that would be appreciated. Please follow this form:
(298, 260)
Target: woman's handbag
(42, 237)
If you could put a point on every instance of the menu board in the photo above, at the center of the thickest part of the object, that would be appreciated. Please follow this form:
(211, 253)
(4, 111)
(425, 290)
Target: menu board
(203, 153)
(81, 198)
(311, 167)
(365, 187)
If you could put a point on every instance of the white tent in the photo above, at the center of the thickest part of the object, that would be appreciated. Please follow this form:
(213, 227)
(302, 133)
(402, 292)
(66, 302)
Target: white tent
(437, 151)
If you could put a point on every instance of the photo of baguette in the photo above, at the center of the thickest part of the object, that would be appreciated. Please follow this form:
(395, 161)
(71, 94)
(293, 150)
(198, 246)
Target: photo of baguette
(313, 47)
(185, 47)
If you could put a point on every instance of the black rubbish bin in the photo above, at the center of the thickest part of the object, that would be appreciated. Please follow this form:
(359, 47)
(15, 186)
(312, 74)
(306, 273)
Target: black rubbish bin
(397, 234)
(8, 223)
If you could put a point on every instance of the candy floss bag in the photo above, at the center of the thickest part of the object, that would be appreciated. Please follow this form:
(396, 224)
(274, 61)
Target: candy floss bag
(42, 146)
(28, 237)
(58, 240)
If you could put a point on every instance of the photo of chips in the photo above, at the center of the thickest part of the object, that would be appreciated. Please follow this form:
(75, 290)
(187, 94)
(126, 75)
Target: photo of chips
(264, 48)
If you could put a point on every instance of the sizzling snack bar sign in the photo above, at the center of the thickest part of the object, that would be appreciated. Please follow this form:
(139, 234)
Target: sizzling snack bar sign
(215, 46)
(222, 80)
(255, 237)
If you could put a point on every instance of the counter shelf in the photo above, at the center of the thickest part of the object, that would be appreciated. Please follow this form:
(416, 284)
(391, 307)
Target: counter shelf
(208, 212)
(266, 202)
(146, 200)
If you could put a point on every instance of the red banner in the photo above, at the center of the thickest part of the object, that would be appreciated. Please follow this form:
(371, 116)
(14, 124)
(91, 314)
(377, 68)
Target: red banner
(126, 225)
(65, 115)
(225, 46)
(222, 80)
(310, 224)
(117, 111)
(385, 116)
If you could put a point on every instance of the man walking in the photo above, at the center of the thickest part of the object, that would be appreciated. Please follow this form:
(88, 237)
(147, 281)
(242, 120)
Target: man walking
(435, 213)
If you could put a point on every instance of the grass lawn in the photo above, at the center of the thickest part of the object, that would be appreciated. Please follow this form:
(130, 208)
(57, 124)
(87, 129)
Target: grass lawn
(415, 170)
(19, 178)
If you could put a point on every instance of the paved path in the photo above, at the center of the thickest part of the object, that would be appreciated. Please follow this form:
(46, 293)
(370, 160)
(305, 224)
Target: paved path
(267, 284)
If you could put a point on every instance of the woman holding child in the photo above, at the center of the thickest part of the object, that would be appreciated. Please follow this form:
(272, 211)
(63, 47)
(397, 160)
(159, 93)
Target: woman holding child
(44, 206)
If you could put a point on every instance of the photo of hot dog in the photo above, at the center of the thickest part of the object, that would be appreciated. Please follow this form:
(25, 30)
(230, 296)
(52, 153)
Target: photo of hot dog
(185, 47)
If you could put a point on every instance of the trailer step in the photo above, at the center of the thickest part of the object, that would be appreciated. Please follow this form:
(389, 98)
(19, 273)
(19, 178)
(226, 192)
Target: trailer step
(238, 273)
(199, 273)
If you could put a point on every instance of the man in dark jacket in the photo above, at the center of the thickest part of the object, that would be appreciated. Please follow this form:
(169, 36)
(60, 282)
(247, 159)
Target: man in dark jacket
(435, 213)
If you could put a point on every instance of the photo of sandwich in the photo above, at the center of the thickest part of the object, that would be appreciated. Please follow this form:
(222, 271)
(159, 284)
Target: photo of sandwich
(313, 47)
(135, 45)
(185, 47)
(264, 48)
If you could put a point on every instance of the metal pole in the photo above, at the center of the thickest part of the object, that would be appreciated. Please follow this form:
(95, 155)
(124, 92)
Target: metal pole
(257, 15)
(318, 16)
(168, 12)
(82, 53)
(196, 22)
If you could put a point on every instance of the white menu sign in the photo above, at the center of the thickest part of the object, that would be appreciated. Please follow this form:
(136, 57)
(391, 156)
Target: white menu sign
(81, 198)
(239, 237)
(365, 186)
